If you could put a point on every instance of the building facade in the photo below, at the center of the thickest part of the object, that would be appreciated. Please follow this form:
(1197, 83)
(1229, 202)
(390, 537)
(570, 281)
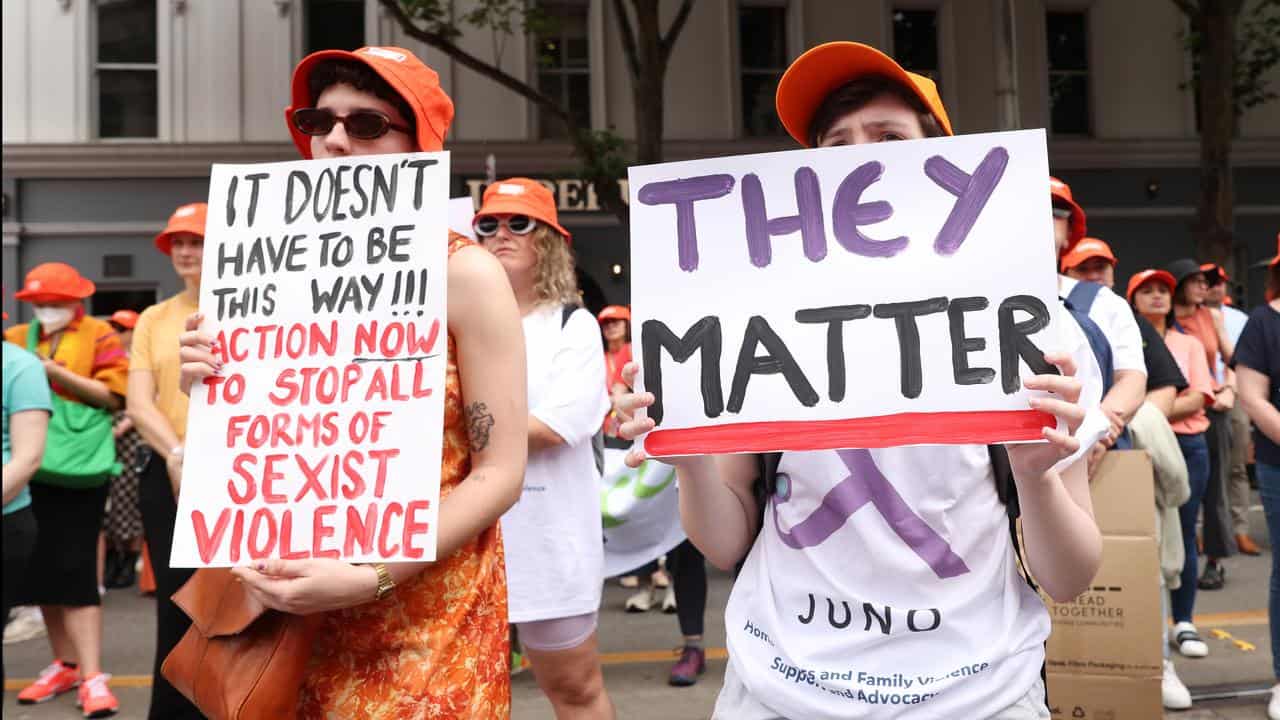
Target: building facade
(113, 111)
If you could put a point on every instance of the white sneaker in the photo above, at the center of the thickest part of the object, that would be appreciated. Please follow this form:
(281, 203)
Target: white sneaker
(1186, 640)
(669, 601)
(1273, 707)
(1173, 693)
(640, 601)
(27, 623)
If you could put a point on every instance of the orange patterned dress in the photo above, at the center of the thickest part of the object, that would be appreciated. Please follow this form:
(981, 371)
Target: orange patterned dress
(436, 647)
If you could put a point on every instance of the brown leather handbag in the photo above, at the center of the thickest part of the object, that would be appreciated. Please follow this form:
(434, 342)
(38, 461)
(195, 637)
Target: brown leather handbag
(239, 660)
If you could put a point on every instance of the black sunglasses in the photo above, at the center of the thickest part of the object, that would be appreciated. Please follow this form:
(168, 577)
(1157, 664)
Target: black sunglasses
(359, 124)
(487, 225)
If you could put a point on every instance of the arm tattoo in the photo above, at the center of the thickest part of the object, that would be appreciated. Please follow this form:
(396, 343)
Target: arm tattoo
(479, 423)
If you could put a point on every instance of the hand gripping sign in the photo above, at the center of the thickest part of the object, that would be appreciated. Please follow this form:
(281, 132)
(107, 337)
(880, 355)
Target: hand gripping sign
(864, 296)
(324, 286)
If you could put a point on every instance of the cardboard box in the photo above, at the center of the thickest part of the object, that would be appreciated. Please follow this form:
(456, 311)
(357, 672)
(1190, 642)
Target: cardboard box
(1123, 494)
(1090, 697)
(1114, 628)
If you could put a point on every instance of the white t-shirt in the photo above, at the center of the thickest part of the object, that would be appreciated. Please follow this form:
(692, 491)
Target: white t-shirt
(884, 584)
(1116, 319)
(553, 534)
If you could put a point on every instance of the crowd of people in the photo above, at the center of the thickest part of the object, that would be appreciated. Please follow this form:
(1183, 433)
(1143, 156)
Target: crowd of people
(95, 419)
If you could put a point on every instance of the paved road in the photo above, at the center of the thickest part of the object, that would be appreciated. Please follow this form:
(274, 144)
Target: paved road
(638, 653)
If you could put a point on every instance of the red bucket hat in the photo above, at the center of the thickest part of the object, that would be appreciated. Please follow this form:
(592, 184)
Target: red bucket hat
(416, 83)
(1141, 278)
(522, 196)
(54, 282)
(1086, 249)
(1059, 190)
(126, 319)
(823, 69)
(189, 218)
(614, 312)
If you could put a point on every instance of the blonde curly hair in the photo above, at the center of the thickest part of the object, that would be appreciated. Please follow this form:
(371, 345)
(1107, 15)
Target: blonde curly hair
(555, 282)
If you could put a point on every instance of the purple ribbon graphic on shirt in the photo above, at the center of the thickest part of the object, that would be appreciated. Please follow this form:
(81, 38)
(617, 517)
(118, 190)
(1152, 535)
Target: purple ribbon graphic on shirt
(866, 484)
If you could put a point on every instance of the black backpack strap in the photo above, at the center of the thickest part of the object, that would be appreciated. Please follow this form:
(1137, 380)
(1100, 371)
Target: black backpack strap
(1007, 491)
(567, 312)
(762, 489)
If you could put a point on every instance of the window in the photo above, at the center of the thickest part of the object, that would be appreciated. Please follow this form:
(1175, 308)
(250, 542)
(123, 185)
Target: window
(762, 55)
(333, 25)
(915, 42)
(126, 74)
(564, 68)
(1068, 43)
(106, 301)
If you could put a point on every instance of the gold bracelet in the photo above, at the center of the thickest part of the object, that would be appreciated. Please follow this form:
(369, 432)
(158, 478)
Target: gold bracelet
(385, 583)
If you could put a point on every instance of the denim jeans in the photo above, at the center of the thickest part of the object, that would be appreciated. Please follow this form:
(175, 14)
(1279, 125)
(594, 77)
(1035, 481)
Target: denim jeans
(1269, 488)
(1195, 449)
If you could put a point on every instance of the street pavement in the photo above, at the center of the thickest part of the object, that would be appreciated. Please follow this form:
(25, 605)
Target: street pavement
(638, 651)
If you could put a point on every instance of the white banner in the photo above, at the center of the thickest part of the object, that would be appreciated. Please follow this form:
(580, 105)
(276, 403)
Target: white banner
(324, 285)
(859, 296)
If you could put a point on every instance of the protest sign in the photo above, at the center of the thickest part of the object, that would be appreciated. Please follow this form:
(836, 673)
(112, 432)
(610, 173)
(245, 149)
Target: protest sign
(324, 287)
(640, 512)
(861, 296)
(461, 211)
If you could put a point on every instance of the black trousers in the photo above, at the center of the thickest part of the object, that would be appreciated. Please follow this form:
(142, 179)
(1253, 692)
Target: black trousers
(159, 513)
(689, 576)
(19, 543)
(1219, 542)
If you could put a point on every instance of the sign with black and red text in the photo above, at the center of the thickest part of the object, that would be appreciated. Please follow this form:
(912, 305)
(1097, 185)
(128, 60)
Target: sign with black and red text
(849, 297)
(324, 287)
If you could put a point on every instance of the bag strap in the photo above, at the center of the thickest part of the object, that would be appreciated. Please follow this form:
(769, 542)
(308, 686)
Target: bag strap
(1083, 295)
(567, 312)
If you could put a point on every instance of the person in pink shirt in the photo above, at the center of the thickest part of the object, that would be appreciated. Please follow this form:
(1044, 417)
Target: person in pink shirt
(1151, 294)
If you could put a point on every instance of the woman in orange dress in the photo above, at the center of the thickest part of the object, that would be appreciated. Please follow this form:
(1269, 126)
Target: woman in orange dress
(434, 646)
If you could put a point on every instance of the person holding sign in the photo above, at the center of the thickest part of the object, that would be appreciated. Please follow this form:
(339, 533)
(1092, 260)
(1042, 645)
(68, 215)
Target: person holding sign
(849, 604)
(413, 638)
(555, 556)
(87, 368)
(159, 412)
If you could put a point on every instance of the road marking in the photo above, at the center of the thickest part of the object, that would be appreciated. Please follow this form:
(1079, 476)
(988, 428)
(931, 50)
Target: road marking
(1226, 619)
(1232, 619)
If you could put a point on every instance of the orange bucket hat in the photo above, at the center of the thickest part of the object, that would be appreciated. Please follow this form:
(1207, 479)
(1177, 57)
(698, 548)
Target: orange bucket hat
(522, 196)
(1059, 190)
(1086, 249)
(822, 70)
(54, 282)
(126, 319)
(189, 218)
(614, 312)
(418, 84)
(1141, 278)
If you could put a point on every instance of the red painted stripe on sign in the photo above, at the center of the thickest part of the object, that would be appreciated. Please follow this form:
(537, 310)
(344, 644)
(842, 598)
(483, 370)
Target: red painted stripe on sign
(940, 428)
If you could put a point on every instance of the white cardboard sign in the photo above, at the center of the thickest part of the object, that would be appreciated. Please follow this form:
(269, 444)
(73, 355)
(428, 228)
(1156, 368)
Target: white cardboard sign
(861, 296)
(324, 286)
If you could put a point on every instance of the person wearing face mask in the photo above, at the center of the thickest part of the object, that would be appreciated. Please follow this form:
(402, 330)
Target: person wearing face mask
(158, 410)
(86, 364)
(411, 639)
(555, 556)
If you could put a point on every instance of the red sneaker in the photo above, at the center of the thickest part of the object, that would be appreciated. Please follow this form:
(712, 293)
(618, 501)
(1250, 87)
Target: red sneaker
(54, 680)
(96, 700)
(692, 663)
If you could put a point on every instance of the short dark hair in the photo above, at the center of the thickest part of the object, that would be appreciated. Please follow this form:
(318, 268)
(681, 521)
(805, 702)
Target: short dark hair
(328, 73)
(855, 94)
